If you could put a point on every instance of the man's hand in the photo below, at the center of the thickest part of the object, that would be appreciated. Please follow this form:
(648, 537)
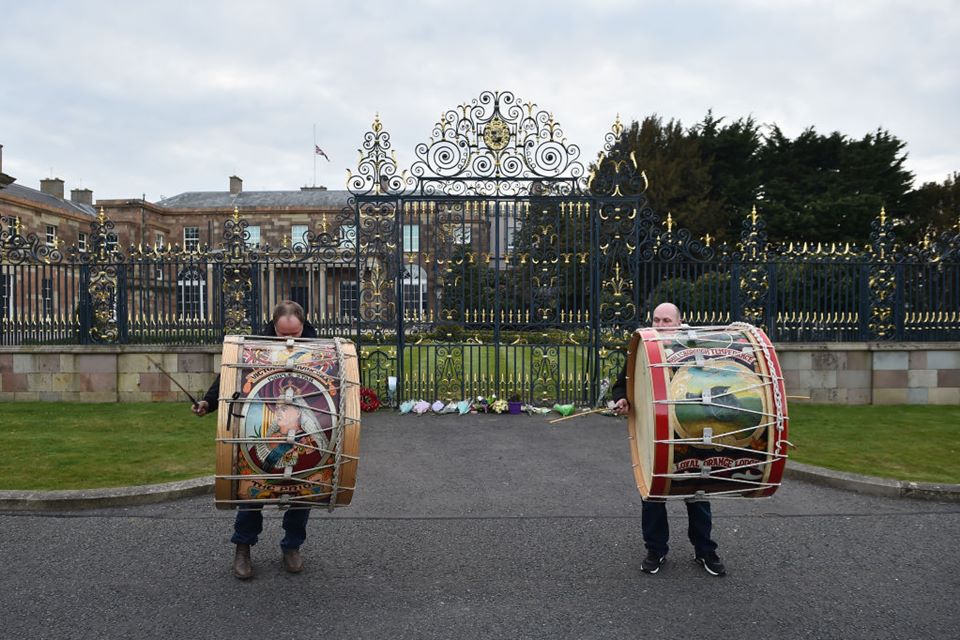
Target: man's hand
(621, 407)
(201, 408)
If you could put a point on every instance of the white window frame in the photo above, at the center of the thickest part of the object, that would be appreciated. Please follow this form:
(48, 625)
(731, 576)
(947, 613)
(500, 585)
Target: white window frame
(413, 288)
(254, 231)
(46, 297)
(51, 234)
(8, 284)
(112, 241)
(347, 235)
(461, 235)
(197, 281)
(160, 240)
(355, 305)
(297, 235)
(191, 243)
(411, 238)
(510, 233)
(81, 242)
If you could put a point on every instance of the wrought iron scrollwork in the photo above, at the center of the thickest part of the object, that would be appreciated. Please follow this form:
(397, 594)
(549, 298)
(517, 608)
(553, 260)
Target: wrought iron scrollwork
(883, 279)
(753, 279)
(377, 167)
(497, 145)
(617, 172)
(20, 249)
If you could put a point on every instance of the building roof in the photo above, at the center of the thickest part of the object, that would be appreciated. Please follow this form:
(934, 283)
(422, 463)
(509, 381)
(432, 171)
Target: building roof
(302, 199)
(47, 200)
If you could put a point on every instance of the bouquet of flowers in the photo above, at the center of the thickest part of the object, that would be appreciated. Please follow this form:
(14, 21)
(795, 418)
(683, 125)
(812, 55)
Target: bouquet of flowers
(368, 399)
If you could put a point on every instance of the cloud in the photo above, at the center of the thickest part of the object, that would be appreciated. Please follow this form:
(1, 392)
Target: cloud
(165, 97)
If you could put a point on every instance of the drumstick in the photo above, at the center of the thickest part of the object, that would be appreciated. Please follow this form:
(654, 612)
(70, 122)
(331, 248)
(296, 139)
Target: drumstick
(192, 399)
(577, 415)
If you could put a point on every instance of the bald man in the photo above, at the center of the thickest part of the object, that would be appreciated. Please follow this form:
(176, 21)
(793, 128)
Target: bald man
(656, 530)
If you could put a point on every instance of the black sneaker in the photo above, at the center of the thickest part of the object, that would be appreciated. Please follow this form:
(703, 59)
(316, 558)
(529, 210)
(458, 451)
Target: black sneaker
(711, 564)
(651, 564)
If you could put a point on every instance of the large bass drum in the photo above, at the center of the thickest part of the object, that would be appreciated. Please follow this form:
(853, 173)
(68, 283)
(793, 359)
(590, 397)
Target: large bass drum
(708, 412)
(288, 428)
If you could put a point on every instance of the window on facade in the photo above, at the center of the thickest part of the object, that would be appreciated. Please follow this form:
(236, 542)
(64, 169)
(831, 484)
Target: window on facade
(191, 238)
(298, 235)
(411, 237)
(7, 294)
(82, 241)
(191, 293)
(111, 241)
(349, 299)
(46, 292)
(513, 226)
(414, 290)
(254, 239)
(460, 235)
(160, 240)
(51, 235)
(347, 235)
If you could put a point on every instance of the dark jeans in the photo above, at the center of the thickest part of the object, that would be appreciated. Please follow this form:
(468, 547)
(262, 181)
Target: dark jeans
(249, 524)
(656, 531)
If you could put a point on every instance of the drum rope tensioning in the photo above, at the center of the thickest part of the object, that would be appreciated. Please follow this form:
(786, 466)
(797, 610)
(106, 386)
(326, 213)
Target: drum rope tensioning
(288, 432)
(708, 412)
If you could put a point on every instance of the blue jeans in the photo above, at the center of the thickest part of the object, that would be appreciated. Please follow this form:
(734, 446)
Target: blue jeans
(656, 531)
(249, 524)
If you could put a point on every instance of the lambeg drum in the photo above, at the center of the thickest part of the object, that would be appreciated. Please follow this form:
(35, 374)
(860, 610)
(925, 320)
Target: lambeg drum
(708, 412)
(288, 428)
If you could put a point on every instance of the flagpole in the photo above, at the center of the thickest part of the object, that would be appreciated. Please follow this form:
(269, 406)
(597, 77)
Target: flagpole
(314, 154)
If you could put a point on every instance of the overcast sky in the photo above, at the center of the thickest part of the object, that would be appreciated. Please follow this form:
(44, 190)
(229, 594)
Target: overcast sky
(158, 98)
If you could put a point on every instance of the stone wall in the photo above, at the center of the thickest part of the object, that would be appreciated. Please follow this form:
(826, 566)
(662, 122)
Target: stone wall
(873, 373)
(849, 373)
(105, 374)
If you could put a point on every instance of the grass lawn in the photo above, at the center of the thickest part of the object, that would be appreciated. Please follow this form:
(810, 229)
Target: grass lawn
(905, 442)
(83, 446)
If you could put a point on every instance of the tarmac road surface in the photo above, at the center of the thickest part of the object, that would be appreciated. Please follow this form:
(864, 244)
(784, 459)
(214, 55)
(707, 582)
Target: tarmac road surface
(490, 527)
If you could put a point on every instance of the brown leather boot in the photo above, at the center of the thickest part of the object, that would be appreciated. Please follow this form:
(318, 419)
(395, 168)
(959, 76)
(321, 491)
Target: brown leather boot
(292, 561)
(242, 567)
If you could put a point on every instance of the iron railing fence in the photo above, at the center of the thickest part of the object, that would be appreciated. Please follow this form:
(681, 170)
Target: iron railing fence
(496, 265)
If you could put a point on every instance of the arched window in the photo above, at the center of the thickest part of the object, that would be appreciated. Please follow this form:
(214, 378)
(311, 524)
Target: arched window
(192, 293)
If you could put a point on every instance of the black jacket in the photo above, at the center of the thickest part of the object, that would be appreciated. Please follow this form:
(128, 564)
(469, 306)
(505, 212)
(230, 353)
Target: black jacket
(213, 393)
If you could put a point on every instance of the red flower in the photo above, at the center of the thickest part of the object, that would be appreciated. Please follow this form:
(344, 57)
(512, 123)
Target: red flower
(368, 399)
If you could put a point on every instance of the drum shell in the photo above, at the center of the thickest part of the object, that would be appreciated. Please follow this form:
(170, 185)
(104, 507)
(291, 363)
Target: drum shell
(236, 461)
(749, 466)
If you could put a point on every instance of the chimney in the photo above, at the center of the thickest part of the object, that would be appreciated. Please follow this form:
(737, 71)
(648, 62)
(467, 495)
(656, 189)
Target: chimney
(81, 196)
(236, 185)
(52, 187)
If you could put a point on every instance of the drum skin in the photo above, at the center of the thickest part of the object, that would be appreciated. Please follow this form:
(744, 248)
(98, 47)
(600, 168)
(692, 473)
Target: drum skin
(288, 395)
(708, 412)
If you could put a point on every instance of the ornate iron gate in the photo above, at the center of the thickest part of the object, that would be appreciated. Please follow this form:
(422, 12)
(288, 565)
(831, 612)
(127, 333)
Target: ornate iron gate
(496, 265)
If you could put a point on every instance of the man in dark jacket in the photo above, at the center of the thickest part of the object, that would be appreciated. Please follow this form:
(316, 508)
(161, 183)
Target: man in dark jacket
(653, 520)
(288, 322)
